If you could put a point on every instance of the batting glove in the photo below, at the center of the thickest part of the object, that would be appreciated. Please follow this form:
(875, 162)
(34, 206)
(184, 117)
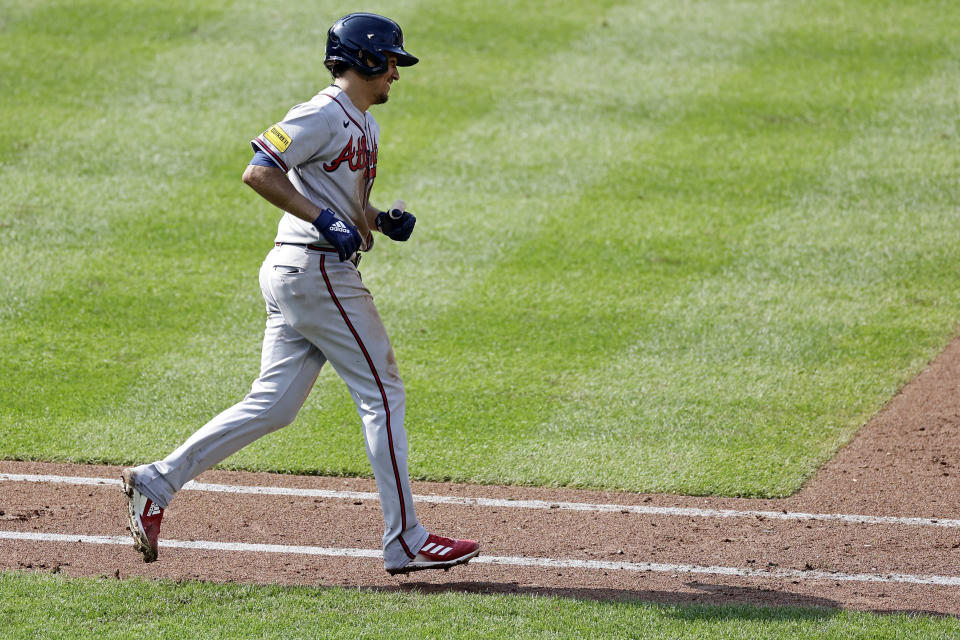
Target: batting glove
(395, 224)
(342, 236)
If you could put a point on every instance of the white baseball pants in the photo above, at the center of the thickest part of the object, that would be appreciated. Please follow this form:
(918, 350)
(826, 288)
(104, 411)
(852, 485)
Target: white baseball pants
(318, 310)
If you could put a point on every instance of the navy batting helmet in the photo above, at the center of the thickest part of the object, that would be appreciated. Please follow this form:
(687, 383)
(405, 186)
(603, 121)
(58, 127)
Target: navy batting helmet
(363, 40)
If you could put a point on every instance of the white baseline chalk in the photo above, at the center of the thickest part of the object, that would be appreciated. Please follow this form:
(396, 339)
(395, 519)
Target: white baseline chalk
(514, 504)
(520, 561)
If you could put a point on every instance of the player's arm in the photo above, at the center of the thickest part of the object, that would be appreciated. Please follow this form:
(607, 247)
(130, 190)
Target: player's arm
(272, 184)
(371, 214)
(281, 147)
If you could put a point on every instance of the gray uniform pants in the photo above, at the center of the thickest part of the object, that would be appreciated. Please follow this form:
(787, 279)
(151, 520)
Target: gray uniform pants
(318, 310)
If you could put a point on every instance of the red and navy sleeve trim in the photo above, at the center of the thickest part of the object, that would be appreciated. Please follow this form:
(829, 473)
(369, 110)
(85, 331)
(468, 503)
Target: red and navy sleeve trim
(261, 159)
(260, 145)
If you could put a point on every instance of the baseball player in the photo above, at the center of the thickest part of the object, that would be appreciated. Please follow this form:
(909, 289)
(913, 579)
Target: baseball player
(318, 166)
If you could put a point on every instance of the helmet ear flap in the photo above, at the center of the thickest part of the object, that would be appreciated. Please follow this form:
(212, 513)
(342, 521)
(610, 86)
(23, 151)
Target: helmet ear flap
(375, 62)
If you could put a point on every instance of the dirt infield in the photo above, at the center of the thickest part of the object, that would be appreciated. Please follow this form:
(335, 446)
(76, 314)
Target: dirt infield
(813, 549)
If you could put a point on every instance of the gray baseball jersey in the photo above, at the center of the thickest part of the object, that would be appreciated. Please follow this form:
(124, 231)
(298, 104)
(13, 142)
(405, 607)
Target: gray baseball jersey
(328, 149)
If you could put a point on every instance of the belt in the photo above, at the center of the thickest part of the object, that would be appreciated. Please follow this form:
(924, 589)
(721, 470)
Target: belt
(319, 247)
(312, 247)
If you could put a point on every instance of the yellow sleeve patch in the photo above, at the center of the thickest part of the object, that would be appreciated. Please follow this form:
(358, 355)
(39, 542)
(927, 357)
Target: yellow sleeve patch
(277, 137)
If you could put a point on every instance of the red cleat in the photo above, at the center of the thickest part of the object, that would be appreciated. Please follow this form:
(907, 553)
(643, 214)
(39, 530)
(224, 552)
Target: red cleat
(440, 553)
(145, 518)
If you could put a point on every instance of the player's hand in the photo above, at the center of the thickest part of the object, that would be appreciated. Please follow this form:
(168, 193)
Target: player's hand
(342, 236)
(396, 224)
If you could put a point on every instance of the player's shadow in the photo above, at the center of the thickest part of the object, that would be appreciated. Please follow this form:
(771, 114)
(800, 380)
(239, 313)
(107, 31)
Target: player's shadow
(706, 594)
(742, 599)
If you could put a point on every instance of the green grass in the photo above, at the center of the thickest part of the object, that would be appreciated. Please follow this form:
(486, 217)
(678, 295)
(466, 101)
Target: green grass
(663, 246)
(104, 608)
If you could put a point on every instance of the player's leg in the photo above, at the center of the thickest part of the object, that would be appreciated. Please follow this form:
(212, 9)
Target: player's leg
(381, 402)
(273, 402)
(289, 367)
(346, 326)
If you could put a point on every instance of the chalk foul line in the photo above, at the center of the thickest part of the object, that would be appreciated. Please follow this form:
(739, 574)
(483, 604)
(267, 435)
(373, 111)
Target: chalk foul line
(521, 561)
(513, 504)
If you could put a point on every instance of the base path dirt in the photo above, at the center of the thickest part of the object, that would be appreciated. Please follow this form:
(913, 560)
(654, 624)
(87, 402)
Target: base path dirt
(813, 550)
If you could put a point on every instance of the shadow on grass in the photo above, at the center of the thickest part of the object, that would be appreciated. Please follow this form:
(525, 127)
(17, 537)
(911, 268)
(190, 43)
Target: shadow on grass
(749, 603)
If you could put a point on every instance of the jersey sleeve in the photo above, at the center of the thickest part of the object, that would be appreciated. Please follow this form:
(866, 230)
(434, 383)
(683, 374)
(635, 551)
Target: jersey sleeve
(305, 132)
(260, 158)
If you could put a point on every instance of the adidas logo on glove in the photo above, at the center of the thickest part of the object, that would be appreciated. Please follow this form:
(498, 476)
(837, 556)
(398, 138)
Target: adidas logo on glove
(339, 227)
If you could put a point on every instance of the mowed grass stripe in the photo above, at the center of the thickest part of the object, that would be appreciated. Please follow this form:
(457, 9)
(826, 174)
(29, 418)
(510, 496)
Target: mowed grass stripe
(713, 386)
(562, 298)
(88, 235)
(747, 377)
(774, 349)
